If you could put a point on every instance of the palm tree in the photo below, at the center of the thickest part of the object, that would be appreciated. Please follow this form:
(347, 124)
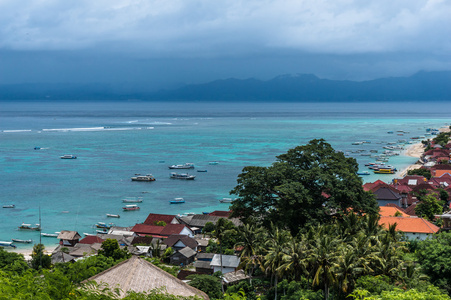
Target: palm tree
(273, 260)
(251, 238)
(324, 256)
(295, 258)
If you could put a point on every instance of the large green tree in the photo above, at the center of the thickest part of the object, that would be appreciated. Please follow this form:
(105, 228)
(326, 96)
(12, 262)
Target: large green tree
(308, 184)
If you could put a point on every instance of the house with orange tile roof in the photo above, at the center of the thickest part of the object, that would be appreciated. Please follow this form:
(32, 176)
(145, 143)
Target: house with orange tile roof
(392, 211)
(415, 228)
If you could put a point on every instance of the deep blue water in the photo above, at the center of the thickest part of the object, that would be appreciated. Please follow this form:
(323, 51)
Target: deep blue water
(113, 141)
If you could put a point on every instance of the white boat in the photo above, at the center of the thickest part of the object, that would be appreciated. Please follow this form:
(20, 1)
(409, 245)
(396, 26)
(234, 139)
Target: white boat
(7, 244)
(213, 163)
(102, 225)
(139, 177)
(132, 200)
(131, 207)
(24, 226)
(184, 166)
(184, 176)
(226, 200)
(89, 234)
(22, 241)
(177, 201)
(102, 231)
(49, 234)
(68, 156)
(9, 206)
(112, 216)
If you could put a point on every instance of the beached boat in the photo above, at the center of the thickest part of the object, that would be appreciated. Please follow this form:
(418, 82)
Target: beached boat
(226, 200)
(132, 200)
(184, 166)
(182, 176)
(49, 234)
(112, 216)
(22, 241)
(131, 207)
(104, 226)
(9, 206)
(24, 226)
(177, 201)
(68, 156)
(139, 177)
(7, 244)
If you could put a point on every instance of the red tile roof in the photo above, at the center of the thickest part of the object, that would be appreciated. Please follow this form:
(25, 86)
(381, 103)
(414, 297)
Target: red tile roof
(152, 219)
(171, 229)
(147, 229)
(220, 213)
(412, 224)
(91, 239)
(369, 186)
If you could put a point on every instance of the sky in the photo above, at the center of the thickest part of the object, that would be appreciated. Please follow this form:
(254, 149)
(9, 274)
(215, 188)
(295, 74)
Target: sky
(167, 43)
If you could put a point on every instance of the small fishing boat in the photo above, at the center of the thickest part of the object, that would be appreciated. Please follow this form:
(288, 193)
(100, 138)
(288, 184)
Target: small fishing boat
(131, 207)
(9, 206)
(102, 231)
(139, 177)
(88, 234)
(132, 200)
(24, 226)
(7, 244)
(112, 216)
(68, 156)
(184, 166)
(213, 163)
(363, 173)
(184, 176)
(37, 148)
(201, 170)
(104, 226)
(49, 234)
(22, 241)
(226, 200)
(177, 201)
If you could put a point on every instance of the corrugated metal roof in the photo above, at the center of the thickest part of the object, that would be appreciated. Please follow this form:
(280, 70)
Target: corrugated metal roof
(229, 261)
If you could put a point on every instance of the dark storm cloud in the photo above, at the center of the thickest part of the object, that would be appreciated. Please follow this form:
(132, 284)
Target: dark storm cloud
(108, 40)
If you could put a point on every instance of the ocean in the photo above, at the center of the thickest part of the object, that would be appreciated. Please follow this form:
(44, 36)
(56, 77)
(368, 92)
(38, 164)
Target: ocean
(113, 141)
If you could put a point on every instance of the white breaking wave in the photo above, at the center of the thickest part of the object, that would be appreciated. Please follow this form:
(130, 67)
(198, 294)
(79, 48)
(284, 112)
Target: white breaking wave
(21, 130)
(94, 129)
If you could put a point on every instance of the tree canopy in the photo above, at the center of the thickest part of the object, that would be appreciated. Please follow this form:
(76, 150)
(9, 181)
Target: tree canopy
(307, 185)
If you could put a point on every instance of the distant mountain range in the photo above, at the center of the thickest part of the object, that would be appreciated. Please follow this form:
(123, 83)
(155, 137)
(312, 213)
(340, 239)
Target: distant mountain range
(292, 88)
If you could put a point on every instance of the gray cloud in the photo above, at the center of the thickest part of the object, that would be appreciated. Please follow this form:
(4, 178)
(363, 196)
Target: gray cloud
(392, 37)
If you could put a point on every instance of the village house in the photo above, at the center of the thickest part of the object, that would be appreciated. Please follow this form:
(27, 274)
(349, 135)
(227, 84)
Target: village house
(229, 263)
(68, 238)
(415, 228)
(183, 257)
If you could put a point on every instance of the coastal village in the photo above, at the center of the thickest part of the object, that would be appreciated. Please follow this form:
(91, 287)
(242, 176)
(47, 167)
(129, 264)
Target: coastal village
(185, 241)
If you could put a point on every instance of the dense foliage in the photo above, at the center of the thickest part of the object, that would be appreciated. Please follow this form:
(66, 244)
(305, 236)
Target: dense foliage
(309, 184)
(422, 172)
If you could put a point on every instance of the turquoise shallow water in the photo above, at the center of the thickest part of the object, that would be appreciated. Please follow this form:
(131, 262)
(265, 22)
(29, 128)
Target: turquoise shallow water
(113, 141)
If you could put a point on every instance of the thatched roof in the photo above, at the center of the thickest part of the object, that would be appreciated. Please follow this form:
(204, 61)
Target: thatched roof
(137, 274)
(68, 235)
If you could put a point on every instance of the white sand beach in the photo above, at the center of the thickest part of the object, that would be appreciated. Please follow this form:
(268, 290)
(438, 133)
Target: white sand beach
(27, 252)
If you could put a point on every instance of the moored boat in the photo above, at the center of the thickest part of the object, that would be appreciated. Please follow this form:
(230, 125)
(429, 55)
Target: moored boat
(185, 176)
(201, 170)
(148, 177)
(132, 200)
(22, 241)
(113, 216)
(363, 173)
(177, 201)
(24, 226)
(104, 226)
(226, 200)
(68, 156)
(7, 244)
(385, 171)
(49, 234)
(9, 206)
(131, 207)
(184, 166)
